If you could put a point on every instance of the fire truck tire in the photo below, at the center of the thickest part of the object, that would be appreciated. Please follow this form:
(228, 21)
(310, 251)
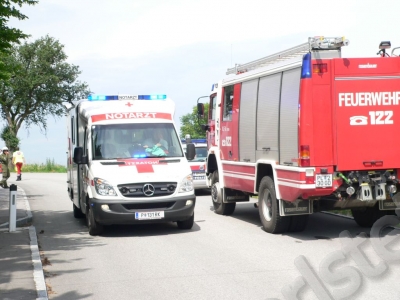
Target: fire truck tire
(95, 228)
(187, 224)
(269, 209)
(367, 216)
(77, 212)
(298, 223)
(220, 207)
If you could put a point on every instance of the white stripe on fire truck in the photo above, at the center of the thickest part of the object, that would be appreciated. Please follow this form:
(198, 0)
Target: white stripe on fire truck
(368, 78)
(299, 186)
(239, 175)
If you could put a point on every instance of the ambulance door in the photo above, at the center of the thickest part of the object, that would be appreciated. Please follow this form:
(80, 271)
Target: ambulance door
(229, 123)
(81, 142)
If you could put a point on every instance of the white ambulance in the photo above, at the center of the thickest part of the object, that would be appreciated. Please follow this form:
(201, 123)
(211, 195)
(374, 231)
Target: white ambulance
(126, 164)
(198, 163)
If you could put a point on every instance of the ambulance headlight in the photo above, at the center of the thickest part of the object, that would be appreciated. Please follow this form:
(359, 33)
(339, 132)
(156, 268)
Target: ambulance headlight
(186, 184)
(104, 188)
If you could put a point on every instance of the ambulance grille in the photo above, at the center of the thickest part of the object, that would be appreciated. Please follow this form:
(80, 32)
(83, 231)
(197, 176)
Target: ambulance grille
(155, 205)
(147, 189)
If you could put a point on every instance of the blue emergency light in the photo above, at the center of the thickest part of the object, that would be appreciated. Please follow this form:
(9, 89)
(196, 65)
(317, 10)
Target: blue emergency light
(101, 97)
(126, 97)
(306, 67)
(152, 97)
(196, 141)
(139, 155)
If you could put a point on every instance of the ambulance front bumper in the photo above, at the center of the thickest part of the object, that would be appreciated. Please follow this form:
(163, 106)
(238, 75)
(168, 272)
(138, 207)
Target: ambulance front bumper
(121, 211)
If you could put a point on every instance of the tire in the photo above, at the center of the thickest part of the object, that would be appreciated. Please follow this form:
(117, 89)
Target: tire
(95, 228)
(220, 207)
(367, 216)
(187, 224)
(77, 212)
(269, 209)
(298, 223)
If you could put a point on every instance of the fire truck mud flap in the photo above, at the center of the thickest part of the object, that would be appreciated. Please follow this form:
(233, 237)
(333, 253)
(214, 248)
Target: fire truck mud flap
(298, 207)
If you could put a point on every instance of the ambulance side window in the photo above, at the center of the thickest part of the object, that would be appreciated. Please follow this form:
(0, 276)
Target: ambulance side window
(228, 102)
(72, 130)
(85, 142)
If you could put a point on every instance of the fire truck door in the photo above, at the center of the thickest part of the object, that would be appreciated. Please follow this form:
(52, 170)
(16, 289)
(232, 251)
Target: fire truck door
(229, 123)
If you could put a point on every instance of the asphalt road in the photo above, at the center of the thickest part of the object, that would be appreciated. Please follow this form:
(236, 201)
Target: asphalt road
(222, 257)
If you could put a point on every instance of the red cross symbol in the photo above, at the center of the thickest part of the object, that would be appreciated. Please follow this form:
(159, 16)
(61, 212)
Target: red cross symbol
(129, 104)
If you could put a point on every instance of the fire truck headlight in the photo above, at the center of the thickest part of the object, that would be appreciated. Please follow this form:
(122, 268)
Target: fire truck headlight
(186, 184)
(392, 189)
(104, 188)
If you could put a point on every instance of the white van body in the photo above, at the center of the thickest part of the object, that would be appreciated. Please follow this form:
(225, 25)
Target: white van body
(198, 164)
(120, 179)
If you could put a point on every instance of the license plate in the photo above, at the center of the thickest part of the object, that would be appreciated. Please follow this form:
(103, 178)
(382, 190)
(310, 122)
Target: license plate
(199, 176)
(322, 180)
(149, 215)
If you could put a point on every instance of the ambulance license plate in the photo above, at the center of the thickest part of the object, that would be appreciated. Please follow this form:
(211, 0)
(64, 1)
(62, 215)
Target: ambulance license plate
(323, 180)
(149, 215)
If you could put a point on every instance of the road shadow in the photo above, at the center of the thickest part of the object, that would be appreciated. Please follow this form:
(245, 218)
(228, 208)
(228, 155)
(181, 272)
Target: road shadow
(320, 226)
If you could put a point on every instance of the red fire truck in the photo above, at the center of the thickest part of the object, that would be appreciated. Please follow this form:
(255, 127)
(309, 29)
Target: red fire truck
(306, 131)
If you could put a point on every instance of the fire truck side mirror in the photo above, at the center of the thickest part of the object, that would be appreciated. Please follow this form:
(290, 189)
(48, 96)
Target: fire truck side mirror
(200, 109)
(78, 156)
(205, 127)
(190, 151)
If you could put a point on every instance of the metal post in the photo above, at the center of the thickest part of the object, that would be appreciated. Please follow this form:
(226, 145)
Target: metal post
(13, 208)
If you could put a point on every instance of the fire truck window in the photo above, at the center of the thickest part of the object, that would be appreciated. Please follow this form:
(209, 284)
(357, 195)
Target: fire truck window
(228, 102)
(212, 108)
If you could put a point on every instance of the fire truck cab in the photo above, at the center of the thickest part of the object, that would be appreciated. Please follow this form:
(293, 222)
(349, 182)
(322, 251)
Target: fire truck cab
(306, 130)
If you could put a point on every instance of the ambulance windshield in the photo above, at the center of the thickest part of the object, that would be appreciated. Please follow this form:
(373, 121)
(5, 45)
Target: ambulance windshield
(138, 140)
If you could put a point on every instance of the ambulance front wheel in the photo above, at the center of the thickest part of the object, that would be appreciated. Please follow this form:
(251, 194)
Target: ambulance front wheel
(95, 228)
(187, 224)
(268, 208)
(220, 207)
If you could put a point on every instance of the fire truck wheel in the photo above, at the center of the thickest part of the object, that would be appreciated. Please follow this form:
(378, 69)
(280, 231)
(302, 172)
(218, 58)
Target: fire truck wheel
(220, 207)
(77, 212)
(367, 216)
(187, 224)
(298, 223)
(269, 209)
(95, 228)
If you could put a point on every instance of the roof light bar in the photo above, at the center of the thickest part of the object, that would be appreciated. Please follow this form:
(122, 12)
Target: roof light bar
(152, 97)
(126, 97)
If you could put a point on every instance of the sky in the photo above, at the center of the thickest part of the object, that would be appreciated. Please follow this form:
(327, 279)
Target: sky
(181, 47)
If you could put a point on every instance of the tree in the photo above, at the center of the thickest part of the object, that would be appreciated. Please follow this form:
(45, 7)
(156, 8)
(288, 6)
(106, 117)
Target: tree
(42, 83)
(191, 123)
(9, 36)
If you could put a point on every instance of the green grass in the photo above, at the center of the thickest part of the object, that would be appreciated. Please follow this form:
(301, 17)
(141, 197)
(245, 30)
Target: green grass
(49, 167)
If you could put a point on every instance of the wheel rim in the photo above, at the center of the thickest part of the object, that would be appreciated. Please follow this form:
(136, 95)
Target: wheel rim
(267, 206)
(214, 194)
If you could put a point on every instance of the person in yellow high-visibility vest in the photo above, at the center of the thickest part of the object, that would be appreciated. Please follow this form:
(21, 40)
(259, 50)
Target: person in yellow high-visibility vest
(18, 160)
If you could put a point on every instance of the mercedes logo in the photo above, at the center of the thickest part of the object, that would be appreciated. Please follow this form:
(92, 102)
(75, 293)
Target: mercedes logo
(148, 189)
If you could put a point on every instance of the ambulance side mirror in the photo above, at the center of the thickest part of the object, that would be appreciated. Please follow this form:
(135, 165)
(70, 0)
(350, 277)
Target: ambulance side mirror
(190, 151)
(78, 156)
